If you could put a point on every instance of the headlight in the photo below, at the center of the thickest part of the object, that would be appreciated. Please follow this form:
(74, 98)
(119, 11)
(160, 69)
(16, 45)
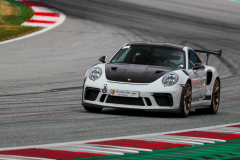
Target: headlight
(170, 79)
(95, 73)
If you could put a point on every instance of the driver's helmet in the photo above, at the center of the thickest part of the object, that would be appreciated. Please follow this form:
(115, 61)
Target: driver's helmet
(141, 56)
(177, 58)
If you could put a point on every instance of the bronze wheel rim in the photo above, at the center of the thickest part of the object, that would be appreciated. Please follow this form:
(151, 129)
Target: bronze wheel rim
(216, 95)
(187, 98)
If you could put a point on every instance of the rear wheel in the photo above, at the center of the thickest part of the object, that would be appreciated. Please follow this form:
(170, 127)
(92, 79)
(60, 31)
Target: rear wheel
(93, 109)
(215, 100)
(215, 97)
(186, 100)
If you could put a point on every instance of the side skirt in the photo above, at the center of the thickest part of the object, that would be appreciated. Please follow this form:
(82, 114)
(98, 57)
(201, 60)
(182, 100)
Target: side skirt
(201, 104)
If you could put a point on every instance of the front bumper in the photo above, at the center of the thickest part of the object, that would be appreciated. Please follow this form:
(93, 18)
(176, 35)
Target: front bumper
(169, 100)
(178, 110)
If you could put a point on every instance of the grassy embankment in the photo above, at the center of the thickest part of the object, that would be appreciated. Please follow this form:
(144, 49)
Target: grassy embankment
(12, 15)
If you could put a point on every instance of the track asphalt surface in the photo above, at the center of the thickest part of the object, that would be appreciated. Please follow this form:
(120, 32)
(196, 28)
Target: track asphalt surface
(41, 77)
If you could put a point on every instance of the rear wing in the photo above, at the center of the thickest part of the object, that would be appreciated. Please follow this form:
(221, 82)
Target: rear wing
(218, 53)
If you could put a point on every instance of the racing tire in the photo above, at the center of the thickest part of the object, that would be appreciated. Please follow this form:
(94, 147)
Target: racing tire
(186, 100)
(215, 97)
(92, 109)
(213, 108)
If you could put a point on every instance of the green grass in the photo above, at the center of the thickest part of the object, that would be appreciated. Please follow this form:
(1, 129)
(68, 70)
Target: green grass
(11, 31)
(25, 13)
(10, 26)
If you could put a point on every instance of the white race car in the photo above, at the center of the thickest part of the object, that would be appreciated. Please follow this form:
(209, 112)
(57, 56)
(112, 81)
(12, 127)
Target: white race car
(151, 76)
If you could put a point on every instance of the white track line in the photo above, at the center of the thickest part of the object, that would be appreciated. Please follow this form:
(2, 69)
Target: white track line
(198, 138)
(101, 148)
(224, 131)
(170, 140)
(108, 149)
(129, 148)
(6, 157)
(44, 9)
(227, 129)
(89, 150)
(36, 25)
(45, 18)
(185, 138)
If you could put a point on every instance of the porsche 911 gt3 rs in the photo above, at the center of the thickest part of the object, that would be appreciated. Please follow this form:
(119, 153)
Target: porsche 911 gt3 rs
(151, 76)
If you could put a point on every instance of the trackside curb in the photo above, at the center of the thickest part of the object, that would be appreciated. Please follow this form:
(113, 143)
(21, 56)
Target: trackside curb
(43, 17)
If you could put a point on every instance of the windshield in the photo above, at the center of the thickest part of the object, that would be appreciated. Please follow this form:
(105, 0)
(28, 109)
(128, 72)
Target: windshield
(150, 55)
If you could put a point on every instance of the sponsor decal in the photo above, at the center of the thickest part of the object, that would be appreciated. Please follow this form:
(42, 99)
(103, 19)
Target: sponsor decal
(122, 93)
(133, 94)
(113, 92)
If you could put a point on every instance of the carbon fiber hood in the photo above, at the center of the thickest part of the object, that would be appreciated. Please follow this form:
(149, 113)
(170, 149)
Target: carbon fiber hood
(135, 73)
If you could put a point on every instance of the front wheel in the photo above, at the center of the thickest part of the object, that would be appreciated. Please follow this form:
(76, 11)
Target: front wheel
(92, 109)
(186, 100)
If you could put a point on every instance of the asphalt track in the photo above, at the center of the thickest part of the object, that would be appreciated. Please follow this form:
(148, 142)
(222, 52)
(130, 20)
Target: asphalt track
(41, 77)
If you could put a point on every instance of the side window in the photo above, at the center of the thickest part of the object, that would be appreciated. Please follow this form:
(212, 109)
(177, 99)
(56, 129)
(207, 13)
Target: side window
(192, 59)
(120, 56)
(198, 59)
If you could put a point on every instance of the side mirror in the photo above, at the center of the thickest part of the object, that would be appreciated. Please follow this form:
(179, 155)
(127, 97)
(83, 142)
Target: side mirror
(103, 59)
(199, 66)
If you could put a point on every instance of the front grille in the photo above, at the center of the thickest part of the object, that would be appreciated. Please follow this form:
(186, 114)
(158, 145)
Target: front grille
(91, 94)
(103, 98)
(148, 101)
(125, 100)
(163, 99)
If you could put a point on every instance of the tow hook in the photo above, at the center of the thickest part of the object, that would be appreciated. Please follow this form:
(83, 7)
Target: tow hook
(104, 90)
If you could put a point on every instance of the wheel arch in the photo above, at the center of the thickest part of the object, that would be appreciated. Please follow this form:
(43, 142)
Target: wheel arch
(218, 78)
(214, 78)
(189, 81)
